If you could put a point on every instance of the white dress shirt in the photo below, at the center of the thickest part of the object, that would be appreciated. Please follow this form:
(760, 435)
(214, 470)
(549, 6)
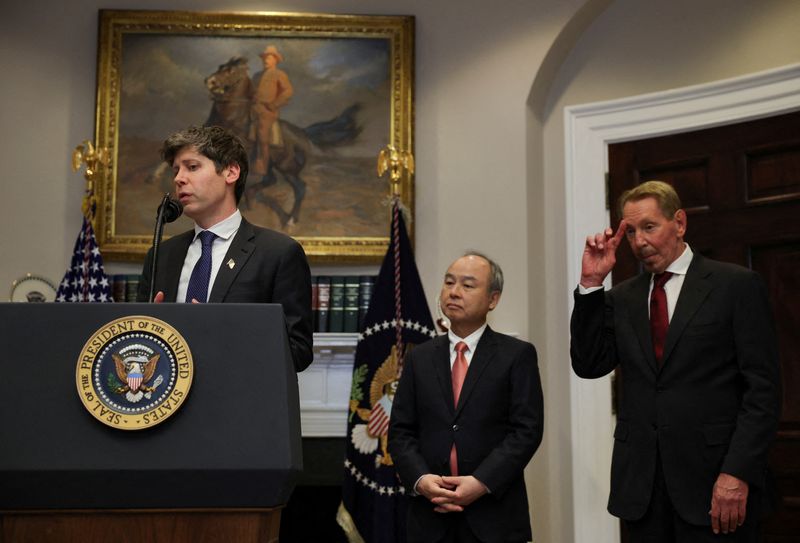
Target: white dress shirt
(471, 341)
(225, 230)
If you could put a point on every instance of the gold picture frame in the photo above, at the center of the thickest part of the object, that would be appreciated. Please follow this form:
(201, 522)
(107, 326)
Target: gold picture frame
(353, 94)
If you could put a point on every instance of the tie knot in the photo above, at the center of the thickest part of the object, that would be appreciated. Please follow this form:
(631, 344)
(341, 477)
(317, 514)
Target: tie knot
(660, 279)
(461, 347)
(207, 237)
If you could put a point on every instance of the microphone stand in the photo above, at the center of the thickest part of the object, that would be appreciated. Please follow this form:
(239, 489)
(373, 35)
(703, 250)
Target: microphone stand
(168, 211)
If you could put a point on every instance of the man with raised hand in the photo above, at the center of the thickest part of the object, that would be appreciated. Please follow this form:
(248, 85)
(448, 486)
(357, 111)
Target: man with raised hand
(695, 341)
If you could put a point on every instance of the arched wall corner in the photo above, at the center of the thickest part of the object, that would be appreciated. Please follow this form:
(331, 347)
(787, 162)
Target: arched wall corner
(549, 474)
(559, 50)
(588, 130)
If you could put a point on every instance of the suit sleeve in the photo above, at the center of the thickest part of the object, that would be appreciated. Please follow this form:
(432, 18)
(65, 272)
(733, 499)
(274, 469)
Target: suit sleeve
(293, 291)
(757, 358)
(593, 347)
(508, 459)
(404, 430)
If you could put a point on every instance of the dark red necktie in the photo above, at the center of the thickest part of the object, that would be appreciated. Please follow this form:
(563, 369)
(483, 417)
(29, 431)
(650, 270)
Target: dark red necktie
(459, 373)
(659, 314)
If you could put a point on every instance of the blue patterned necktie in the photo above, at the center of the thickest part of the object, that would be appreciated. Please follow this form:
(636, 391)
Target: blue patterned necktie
(198, 282)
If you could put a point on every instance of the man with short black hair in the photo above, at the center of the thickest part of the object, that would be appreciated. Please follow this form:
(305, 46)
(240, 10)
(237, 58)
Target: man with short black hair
(225, 258)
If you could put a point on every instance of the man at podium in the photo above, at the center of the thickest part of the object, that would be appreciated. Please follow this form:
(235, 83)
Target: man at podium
(224, 258)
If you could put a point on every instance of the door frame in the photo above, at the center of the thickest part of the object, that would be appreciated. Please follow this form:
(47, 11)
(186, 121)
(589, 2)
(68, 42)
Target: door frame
(588, 130)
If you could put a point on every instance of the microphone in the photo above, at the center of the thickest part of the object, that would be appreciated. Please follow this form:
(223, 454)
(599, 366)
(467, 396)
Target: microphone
(168, 211)
(172, 209)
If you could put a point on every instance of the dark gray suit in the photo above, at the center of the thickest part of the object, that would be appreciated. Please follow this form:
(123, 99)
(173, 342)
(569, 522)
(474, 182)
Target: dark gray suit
(713, 405)
(497, 427)
(270, 267)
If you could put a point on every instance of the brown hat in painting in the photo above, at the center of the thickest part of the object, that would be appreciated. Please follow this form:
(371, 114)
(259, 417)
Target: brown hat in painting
(272, 50)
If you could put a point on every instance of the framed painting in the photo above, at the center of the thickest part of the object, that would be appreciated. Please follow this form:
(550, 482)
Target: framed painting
(345, 90)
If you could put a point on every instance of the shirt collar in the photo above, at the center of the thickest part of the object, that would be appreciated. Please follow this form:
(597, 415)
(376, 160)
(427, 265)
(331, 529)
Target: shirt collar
(225, 228)
(681, 264)
(471, 340)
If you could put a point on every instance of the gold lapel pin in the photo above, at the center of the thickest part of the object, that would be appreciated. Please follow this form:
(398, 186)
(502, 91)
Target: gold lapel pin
(231, 263)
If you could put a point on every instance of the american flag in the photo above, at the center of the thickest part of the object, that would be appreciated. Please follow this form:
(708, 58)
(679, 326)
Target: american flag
(85, 280)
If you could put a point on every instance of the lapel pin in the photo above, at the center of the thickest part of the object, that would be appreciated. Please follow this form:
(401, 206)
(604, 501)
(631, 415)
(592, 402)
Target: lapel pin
(231, 263)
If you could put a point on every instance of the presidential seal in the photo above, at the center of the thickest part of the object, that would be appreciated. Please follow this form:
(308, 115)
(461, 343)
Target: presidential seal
(134, 373)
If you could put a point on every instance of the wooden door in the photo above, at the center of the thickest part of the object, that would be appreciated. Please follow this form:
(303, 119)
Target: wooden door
(740, 187)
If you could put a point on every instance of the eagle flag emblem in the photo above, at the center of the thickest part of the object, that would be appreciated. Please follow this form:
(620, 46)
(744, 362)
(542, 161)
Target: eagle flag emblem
(135, 365)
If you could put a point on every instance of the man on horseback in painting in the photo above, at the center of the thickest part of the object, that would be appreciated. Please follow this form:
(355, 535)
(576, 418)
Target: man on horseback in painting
(272, 91)
(249, 109)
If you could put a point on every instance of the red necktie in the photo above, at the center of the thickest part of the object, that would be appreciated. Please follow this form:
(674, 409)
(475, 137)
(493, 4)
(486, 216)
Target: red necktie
(659, 314)
(459, 373)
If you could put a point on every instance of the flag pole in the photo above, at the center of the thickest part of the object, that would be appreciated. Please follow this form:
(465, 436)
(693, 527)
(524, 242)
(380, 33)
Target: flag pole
(395, 161)
(374, 501)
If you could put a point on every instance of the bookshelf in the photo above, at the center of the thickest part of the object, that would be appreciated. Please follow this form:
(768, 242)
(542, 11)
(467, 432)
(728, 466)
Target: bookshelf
(325, 385)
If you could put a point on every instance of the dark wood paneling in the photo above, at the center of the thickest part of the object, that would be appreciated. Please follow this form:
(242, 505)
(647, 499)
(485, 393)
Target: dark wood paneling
(773, 173)
(690, 179)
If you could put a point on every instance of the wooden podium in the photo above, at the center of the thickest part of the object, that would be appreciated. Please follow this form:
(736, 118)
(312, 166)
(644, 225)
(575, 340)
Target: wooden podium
(219, 469)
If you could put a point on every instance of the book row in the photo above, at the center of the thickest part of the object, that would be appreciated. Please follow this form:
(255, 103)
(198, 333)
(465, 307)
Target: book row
(339, 302)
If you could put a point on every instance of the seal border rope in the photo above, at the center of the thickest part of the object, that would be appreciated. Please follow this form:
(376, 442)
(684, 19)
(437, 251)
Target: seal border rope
(97, 345)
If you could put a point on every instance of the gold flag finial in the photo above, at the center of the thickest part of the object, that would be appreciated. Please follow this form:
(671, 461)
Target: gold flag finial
(95, 159)
(395, 161)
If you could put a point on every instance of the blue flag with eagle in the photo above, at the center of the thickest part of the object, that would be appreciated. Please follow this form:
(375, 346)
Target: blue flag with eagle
(373, 507)
(85, 279)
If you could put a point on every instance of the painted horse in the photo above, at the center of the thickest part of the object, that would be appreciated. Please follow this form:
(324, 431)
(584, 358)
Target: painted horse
(231, 91)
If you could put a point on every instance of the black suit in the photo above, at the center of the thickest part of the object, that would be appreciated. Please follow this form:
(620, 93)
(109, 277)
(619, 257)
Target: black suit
(713, 405)
(496, 427)
(269, 268)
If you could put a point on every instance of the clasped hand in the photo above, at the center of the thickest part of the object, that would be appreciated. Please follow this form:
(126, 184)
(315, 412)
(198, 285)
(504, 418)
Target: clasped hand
(450, 494)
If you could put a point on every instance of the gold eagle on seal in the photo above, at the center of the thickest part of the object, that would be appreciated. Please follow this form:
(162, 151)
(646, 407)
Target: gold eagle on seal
(135, 366)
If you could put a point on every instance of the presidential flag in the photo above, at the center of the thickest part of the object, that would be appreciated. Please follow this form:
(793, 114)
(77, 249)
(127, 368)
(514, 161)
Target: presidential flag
(85, 280)
(373, 507)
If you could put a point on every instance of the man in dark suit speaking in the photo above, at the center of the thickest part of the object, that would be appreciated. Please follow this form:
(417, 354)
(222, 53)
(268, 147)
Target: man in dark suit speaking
(700, 396)
(467, 418)
(225, 258)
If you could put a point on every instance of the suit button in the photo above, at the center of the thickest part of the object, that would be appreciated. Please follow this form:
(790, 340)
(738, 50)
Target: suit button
(455, 427)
